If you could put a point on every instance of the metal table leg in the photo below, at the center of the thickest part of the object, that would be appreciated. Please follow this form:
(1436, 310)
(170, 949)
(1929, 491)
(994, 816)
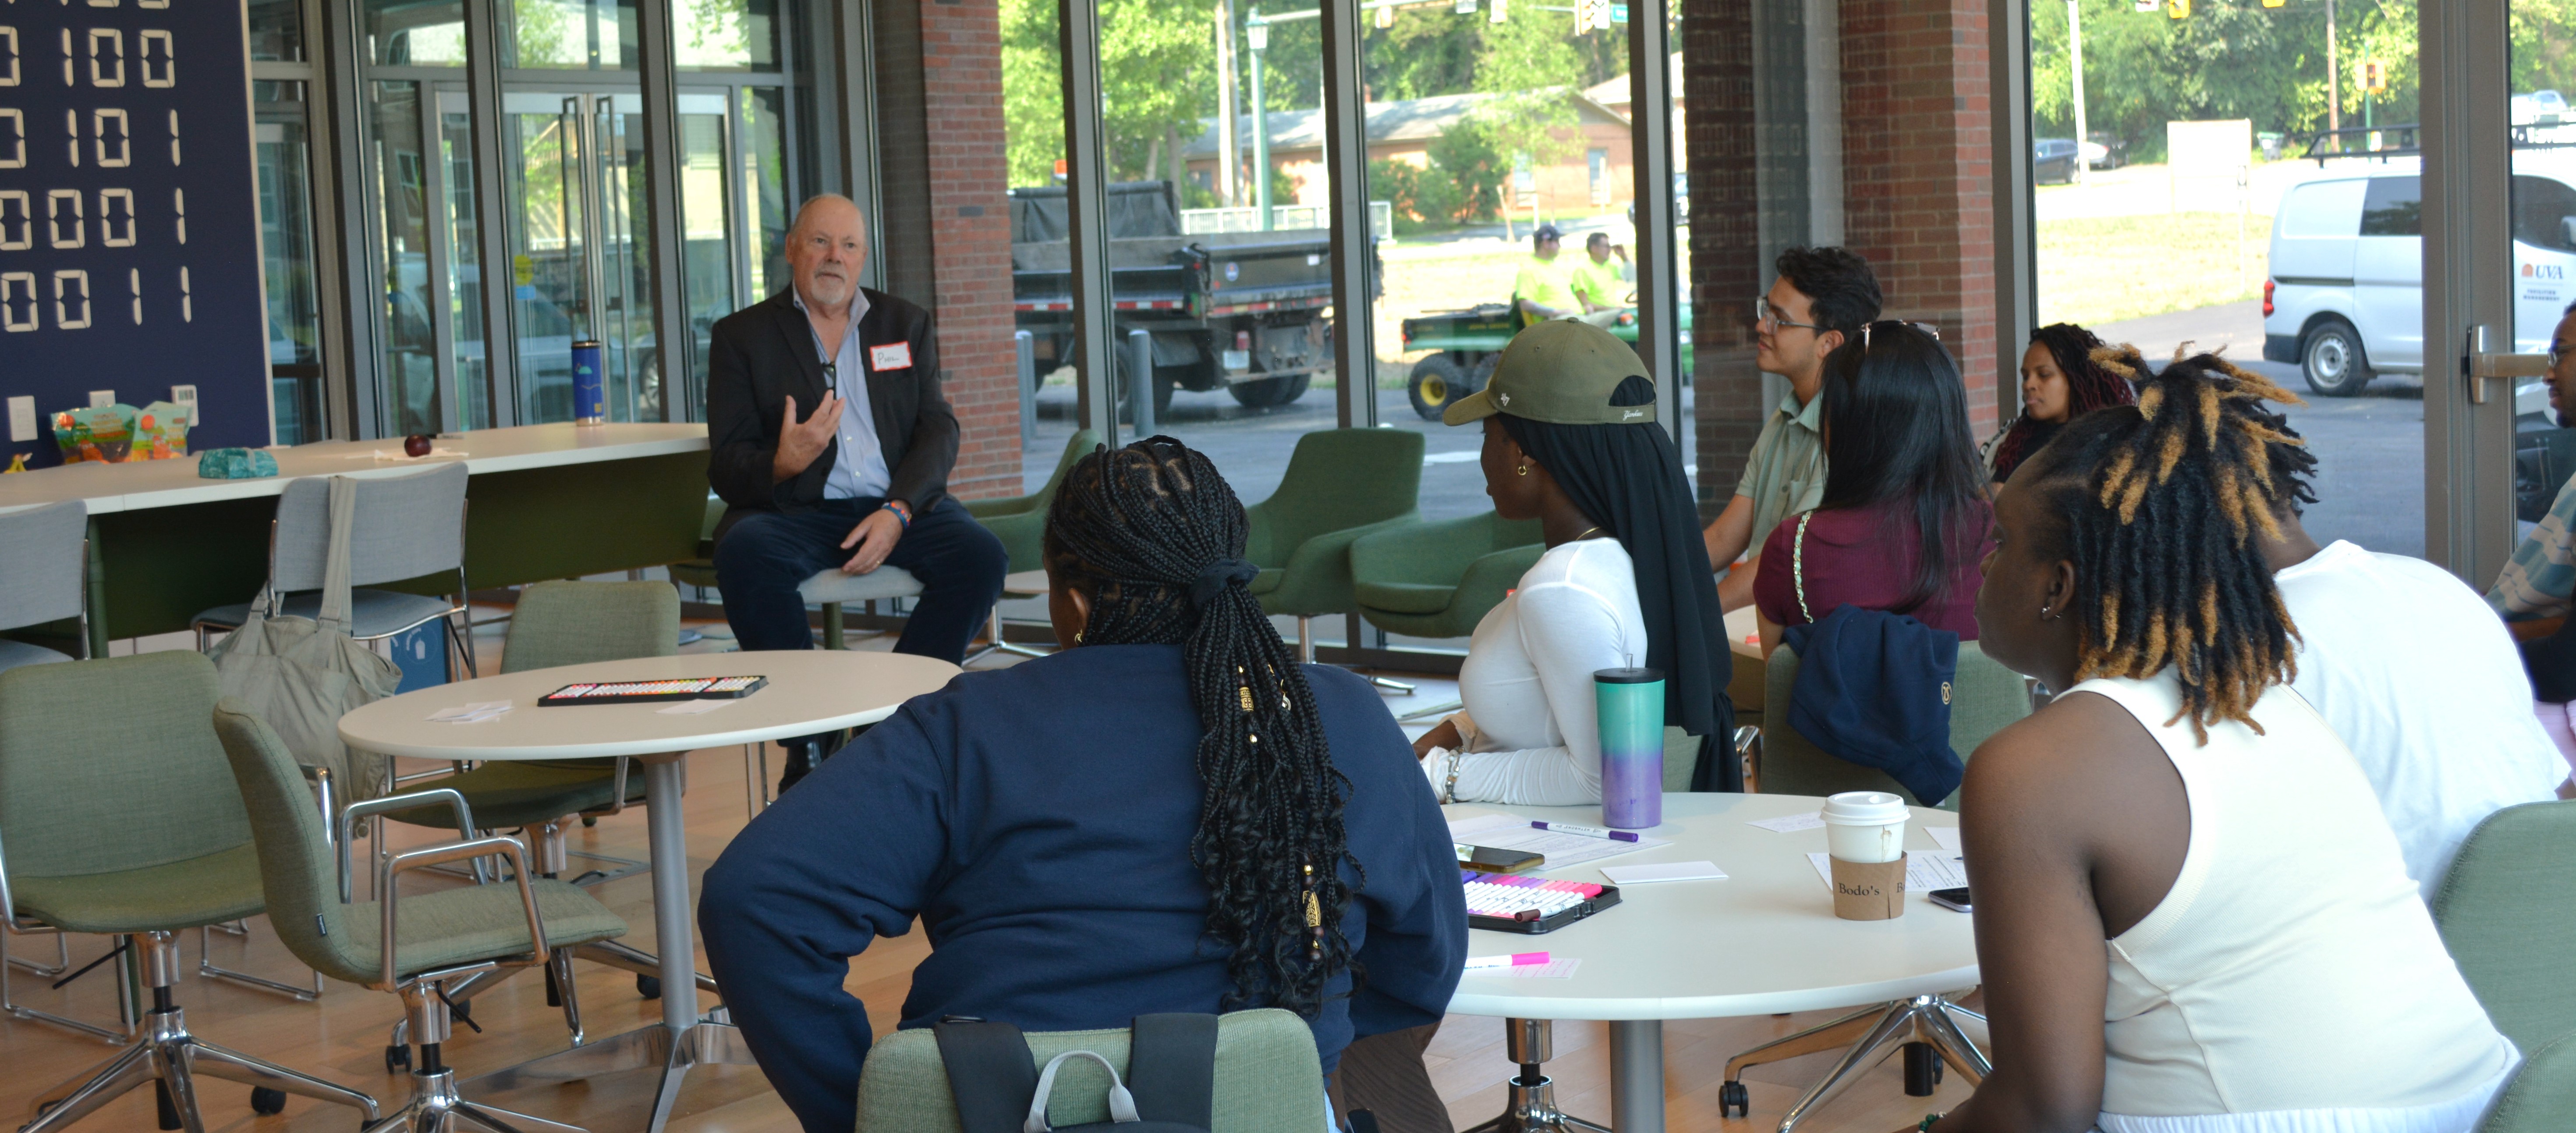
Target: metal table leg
(1637, 1076)
(683, 1038)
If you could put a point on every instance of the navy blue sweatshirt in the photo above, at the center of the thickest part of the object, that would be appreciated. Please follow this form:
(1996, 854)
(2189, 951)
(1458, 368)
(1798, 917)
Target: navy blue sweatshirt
(1038, 820)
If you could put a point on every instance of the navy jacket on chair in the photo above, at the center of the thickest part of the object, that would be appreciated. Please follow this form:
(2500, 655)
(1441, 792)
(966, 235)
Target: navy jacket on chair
(1874, 688)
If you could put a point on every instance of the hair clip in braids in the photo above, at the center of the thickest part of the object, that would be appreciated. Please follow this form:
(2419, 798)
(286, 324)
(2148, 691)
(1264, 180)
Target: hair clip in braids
(1244, 687)
(1314, 917)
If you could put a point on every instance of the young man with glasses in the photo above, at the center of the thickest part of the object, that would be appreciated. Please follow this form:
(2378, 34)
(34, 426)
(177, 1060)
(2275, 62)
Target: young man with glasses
(1823, 297)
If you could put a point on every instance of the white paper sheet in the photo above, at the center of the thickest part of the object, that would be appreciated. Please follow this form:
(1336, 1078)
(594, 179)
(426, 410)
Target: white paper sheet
(474, 713)
(1511, 832)
(1662, 871)
(1947, 837)
(1791, 823)
(1925, 870)
(1560, 968)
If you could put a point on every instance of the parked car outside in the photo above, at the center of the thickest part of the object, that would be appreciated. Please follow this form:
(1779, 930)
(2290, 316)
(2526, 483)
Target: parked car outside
(2052, 161)
(2105, 151)
(2345, 298)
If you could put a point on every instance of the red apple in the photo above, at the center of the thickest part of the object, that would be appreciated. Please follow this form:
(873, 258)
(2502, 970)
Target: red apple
(416, 444)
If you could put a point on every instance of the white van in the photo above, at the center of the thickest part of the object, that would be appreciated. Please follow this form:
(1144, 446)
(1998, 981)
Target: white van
(2346, 295)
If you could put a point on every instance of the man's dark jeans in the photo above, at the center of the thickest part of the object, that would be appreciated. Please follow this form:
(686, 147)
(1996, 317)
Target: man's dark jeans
(765, 556)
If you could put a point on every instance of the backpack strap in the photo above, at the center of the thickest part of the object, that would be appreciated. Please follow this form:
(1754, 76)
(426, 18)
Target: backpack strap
(990, 1073)
(1171, 1068)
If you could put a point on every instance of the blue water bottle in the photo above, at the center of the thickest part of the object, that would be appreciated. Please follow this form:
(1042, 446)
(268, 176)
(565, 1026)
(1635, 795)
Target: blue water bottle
(1630, 709)
(589, 384)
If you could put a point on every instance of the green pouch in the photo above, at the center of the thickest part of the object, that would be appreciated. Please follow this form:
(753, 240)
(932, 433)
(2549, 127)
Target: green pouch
(235, 464)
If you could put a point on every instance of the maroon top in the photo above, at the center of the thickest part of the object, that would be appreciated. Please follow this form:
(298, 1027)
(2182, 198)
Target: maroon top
(1852, 559)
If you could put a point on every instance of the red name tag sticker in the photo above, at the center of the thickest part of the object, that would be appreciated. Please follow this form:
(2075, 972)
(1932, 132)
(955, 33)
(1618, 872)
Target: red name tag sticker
(895, 357)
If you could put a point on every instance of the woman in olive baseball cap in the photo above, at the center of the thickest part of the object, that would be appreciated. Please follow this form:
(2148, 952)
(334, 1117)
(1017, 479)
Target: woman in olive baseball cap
(1572, 440)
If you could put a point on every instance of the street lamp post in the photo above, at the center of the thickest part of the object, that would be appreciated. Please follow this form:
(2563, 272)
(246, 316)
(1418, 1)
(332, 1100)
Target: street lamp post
(2075, 56)
(1256, 35)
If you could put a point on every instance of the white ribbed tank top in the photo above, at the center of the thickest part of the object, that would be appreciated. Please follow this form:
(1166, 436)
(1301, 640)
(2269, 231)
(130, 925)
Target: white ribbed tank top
(2291, 980)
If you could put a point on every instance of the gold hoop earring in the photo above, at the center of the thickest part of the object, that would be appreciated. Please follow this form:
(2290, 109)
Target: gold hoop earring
(1077, 637)
(1523, 470)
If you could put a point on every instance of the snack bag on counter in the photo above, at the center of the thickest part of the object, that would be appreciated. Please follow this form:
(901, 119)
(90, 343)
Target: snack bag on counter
(103, 434)
(163, 427)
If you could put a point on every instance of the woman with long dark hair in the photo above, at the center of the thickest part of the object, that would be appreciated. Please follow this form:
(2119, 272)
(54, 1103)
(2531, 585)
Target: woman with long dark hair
(1904, 515)
(1171, 814)
(1571, 440)
(2061, 379)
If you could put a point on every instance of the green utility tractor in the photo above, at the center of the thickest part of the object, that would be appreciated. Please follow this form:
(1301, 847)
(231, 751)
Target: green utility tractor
(1470, 340)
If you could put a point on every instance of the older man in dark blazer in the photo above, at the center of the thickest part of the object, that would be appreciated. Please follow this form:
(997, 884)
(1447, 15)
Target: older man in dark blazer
(829, 438)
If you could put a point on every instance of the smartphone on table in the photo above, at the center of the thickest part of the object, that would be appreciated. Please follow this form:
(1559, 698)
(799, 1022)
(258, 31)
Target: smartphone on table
(1952, 899)
(1490, 859)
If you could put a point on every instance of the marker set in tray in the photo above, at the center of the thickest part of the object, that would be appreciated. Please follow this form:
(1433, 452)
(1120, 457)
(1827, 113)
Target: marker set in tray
(1531, 905)
(633, 692)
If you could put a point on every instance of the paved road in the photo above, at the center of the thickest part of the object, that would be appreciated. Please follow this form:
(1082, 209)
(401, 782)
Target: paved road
(2370, 482)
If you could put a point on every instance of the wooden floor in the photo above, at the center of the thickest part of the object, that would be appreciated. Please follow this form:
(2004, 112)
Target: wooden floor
(342, 1035)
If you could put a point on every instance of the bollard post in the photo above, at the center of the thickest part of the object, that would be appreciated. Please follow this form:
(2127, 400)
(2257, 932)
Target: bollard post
(1026, 346)
(1140, 370)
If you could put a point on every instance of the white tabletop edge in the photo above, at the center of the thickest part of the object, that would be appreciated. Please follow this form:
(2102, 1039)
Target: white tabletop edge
(343, 457)
(1494, 1003)
(695, 742)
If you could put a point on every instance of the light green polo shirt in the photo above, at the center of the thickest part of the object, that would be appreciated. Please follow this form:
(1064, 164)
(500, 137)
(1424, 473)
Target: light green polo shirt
(1786, 474)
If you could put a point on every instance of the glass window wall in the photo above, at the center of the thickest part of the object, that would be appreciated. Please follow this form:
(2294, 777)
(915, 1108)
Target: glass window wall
(2163, 160)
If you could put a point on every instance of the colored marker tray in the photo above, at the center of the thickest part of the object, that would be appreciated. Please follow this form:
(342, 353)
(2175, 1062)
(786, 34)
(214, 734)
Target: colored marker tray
(1530, 922)
(637, 692)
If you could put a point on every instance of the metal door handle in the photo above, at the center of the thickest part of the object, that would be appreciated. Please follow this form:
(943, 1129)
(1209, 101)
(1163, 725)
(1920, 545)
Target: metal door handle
(2480, 364)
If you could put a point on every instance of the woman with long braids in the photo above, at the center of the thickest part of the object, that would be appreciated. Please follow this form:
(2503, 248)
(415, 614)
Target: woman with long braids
(1171, 814)
(2061, 379)
(1571, 440)
(2191, 917)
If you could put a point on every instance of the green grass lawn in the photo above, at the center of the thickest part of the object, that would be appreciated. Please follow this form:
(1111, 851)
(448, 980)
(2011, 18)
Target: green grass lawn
(2104, 269)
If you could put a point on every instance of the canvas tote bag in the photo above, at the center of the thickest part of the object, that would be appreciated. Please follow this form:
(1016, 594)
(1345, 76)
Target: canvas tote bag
(301, 675)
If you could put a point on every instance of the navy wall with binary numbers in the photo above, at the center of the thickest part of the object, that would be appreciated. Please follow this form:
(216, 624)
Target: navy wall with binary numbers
(129, 234)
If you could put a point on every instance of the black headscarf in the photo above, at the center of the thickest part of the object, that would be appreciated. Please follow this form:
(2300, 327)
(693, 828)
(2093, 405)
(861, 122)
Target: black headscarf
(1628, 479)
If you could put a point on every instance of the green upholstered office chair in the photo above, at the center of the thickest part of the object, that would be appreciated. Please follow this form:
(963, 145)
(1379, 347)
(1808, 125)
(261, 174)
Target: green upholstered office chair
(1267, 1077)
(2507, 911)
(2542, 1095)
(1984, 697)
(417, 947)
(127, 825)
(1439, 579)
(1341, 484)
(558, 624)
(1020, 521)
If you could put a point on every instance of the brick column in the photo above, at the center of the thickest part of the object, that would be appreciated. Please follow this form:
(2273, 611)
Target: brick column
(1725, 240)
(1917, 188)
(946, 216)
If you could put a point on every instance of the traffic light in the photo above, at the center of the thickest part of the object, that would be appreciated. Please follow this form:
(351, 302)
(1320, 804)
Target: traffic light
(2274, 3)
(1385, 17)
(1498, 13)
(2178, 9)
(1591, 15)
(2374, 76)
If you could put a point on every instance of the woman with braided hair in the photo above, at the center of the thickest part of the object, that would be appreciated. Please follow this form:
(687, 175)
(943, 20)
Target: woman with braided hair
(1170, 814)
(2065, 374)
(2191, 917)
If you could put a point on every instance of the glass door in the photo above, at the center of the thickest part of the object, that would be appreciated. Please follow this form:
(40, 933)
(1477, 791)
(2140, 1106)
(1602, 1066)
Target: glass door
(580, 253)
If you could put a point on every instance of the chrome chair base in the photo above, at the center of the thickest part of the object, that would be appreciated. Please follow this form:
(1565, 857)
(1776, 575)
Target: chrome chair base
(1306, 655)
(1865, 1037)
(436, 1107)
(167, 1054)
(1529, 1098)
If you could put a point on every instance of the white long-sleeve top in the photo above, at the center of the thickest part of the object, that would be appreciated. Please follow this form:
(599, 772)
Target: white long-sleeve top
(1529, 724)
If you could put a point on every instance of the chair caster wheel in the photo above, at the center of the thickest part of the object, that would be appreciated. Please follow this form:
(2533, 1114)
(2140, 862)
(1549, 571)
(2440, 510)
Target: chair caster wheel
(650, 987)
(397, 1059)
(1732, 1098)
(266, 1101)
(589, 820)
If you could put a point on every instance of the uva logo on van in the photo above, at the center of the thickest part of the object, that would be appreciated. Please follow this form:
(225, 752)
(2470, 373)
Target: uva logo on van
(2544, 271)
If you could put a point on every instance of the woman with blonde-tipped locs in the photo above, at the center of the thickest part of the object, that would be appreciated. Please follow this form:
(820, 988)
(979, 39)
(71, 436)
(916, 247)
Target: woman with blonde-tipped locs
(2179, 809)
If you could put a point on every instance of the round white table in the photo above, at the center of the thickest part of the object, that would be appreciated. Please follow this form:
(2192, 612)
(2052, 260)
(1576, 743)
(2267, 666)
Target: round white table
(1763, 941)
(808, 692)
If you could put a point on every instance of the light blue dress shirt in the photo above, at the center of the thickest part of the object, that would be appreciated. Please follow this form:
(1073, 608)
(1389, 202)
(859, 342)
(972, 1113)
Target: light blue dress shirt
(860, 470)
